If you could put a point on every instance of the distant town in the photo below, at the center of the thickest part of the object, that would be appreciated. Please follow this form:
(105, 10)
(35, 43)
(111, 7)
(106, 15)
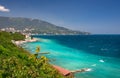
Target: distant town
(29, 31)
(13, 30)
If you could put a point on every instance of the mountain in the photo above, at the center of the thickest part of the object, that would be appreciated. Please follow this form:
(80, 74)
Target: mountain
(35, 26)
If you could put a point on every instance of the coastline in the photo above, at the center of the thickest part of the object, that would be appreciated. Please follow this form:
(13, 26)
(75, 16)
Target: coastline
(60, 69)
(24, 41)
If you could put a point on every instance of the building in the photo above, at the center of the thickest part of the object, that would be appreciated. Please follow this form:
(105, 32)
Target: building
(64, 72)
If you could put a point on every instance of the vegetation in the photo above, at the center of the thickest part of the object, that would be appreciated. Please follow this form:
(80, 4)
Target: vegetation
(17, 36)
(16, 62)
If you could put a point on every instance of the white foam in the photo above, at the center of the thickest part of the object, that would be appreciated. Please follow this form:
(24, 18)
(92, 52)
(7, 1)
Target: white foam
(101, 61)
(89, 69)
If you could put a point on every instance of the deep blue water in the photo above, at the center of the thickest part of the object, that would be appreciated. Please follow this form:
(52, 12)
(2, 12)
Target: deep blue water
(101, 53)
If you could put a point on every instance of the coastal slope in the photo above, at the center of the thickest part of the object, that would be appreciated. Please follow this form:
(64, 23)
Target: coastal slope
(15, 62)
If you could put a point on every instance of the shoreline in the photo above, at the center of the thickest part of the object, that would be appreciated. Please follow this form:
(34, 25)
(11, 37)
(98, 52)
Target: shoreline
(24, 41)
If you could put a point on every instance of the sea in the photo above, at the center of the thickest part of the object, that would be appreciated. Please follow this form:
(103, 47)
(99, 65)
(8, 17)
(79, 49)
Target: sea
(99, 53)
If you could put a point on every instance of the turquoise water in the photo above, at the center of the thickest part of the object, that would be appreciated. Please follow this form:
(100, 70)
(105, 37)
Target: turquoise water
(99, 53)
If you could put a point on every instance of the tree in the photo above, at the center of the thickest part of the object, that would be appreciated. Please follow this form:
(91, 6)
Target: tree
(37, 51)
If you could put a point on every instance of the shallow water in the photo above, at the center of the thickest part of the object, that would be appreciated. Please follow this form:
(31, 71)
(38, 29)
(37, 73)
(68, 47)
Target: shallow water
(100, 53)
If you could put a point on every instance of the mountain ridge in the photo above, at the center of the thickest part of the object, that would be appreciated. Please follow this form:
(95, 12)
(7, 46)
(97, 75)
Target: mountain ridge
(39, 26)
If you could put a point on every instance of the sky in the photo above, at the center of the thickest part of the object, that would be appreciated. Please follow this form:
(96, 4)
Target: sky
(94, 16)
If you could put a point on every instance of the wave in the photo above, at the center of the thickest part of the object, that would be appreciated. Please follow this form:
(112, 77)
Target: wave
(101, 61)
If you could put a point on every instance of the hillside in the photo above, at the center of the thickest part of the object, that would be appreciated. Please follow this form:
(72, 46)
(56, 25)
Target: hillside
(37, 26)
(16, 62)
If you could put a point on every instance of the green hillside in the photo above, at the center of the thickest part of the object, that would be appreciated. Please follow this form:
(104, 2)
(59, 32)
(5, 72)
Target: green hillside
(16, 62)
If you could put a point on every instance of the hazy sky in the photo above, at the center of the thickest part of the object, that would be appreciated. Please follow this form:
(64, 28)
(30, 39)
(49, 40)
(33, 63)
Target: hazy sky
(95, 16)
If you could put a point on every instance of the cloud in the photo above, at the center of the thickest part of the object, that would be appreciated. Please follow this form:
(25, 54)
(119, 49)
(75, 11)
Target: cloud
(3, 9)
